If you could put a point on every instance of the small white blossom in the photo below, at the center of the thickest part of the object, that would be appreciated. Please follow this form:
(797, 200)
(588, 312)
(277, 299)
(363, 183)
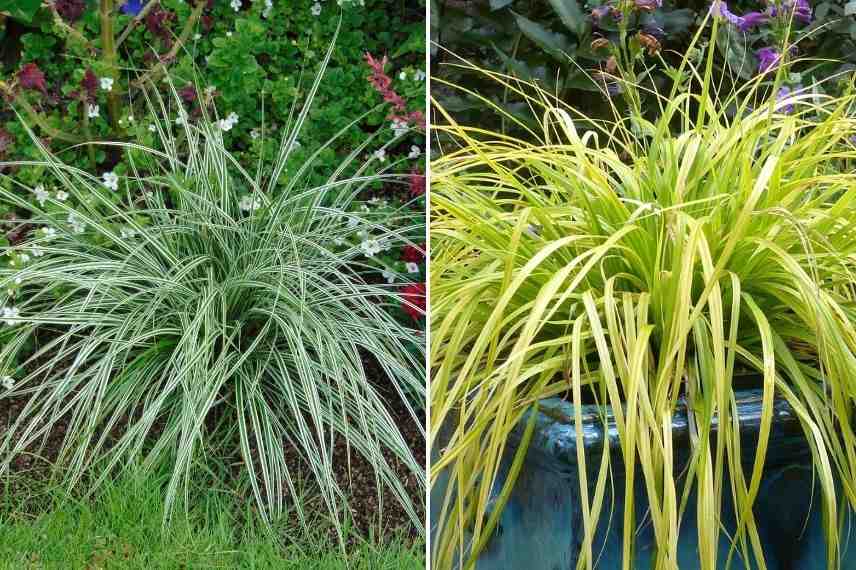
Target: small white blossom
(48, 233)
(228, 34)
(111, 180)
(419, 75)
(235, 4)
(10, 315)
(62, 195)
(415, 152)
(380, 154)
(41, 194)
(229, 122)
(249, 203)
(37, 251)
(255, 133)
(402, 75)
(389, 276)
(130, 118)
(8, 382)
(152, 127)
(412, 267)
(107, 83)
(197, 37)
(210, 90)
(268, 9)
(92, 111)
(370, 247)
(23, 258)
(78, 226)
(399, 127)
(128, 233)
(316, 9)
(181, 119)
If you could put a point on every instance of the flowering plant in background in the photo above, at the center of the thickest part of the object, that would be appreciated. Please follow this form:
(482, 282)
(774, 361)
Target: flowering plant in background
(215, 54)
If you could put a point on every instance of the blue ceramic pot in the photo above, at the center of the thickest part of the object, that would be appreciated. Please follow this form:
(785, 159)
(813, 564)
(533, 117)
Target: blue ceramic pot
(541, 526)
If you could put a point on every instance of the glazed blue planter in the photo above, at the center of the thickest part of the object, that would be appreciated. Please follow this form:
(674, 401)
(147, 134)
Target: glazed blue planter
(541, 525)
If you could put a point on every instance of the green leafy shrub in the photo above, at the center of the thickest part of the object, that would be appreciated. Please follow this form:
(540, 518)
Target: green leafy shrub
(573, 49)
(249, 59)
(633, 263)
(193, 312)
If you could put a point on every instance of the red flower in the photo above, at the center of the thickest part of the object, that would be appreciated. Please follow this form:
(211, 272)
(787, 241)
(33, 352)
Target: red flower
(187, 93)
(413, 300)
(90, 84)
(417, 183)
(6, 141)
(413, 253)
(70, 10)
(31, 77)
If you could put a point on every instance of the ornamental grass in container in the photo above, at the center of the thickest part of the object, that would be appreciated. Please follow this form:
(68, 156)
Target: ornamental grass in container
(642, 266)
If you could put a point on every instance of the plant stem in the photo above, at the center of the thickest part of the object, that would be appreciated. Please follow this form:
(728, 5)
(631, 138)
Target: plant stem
(108, 56)
(136, 22)
(179, 43)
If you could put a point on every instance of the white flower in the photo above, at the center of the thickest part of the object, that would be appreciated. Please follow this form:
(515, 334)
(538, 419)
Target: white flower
(419, 75)
(402, 75)
(8, 382)
(10, 315)
(228, 34)
(268, 8)
(181, 119)
(227, 123)
(370, 247)
(78, 226)
(107, 83)
(415, 152)
(210, 90)
(130, 118)
(316, 9)
(152, 127)
(62, 195)
(128, 233)
(197, 37)
(23, 258)
(111, 180)
(249, 203)
(48, 233)
(389, 276)
(255, 133)
(399, 127)
(41, 194)
(92, 111)
(412, 267)
(235, 4)
(380, 154)
(37, 251)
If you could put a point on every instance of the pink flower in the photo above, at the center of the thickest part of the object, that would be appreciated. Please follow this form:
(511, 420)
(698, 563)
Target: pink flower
(31, 77)
(413, 253)
(417, 183)
(90, 84)
(413, 300)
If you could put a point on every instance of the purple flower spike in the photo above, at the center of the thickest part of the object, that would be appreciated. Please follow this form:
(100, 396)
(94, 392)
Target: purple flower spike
(768, 58)
(802, 11)
(133, 7)
(600, 12)
(649, 5)
(785, 106)
(751, 20)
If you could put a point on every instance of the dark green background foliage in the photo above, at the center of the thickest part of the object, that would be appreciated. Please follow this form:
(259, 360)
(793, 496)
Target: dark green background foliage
(261, 67)
(550, 42)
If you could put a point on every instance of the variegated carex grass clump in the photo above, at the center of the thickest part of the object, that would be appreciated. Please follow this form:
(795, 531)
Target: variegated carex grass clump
(201, 313)
(640, 262)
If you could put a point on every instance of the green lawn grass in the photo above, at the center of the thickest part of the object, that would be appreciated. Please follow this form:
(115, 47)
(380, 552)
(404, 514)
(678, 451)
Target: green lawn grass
(123, 527)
